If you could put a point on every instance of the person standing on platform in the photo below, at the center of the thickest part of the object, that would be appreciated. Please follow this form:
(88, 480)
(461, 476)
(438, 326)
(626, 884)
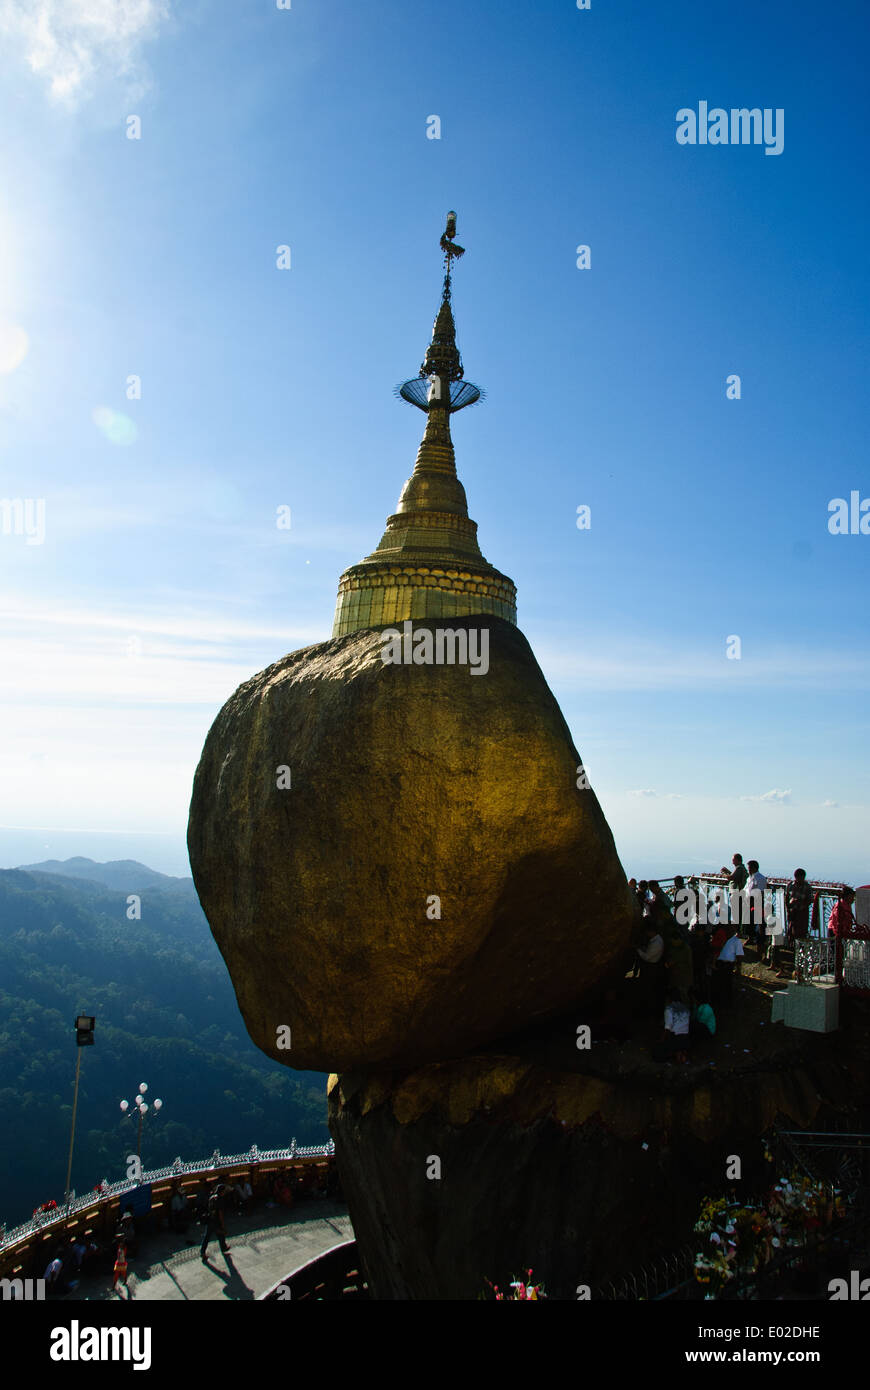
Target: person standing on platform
(798, 903)
(736, 884)
(755, 886)
(53, 1275)
(685, 902)
(661, 908)
(119, 1275)
(214, 1223)
(842, 919)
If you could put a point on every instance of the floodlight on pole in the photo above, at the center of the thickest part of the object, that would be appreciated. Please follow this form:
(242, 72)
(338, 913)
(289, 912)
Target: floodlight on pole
(84, 1030)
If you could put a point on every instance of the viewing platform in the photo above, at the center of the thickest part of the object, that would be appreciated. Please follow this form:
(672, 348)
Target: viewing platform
(265, 1247)
(268, 1242)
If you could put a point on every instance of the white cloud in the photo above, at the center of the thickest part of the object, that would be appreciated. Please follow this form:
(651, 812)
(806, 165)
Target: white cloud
(645, 791)
(830, 803)
(54, 655)
(72, 43)
(775, 797)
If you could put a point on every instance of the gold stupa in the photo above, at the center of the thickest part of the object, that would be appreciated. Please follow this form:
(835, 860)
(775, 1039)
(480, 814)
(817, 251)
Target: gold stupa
(428, 563)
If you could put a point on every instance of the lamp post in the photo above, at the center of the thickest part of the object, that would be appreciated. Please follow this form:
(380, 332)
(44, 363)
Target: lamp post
(84, 1026)
(139, 1103)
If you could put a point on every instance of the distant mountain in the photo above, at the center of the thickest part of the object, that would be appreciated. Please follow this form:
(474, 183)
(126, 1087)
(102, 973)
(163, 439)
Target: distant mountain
(166, 1014)
(127, 875)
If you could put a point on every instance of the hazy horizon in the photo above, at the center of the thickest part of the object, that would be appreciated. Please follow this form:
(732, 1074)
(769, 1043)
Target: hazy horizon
(172, 858)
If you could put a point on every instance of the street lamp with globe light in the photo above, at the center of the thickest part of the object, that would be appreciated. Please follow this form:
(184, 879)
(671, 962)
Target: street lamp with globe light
(139, 1103)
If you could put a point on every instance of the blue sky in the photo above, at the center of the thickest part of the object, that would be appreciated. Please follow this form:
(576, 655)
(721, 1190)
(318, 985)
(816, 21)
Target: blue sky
(163, 581)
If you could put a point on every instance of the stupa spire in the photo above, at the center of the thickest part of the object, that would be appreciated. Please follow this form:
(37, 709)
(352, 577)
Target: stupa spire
(428, 562)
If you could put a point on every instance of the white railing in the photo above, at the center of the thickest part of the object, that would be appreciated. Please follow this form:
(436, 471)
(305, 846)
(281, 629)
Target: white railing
(817, 960)
(64, 1210)
(856, 963)
(716, 902)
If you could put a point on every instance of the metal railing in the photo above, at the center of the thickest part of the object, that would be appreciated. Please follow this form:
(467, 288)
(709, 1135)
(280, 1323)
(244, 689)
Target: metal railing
(855, 963)
(713, 889)
(836, 960)
(657, 1279)
(59, 1215)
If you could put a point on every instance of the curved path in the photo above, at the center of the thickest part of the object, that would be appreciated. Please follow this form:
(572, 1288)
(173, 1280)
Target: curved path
(265, 1246)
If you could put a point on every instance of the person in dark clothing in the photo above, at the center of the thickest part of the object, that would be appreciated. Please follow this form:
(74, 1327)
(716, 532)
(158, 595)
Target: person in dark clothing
(685, 902)
(126, 1233)
(734, 887)
(214, 1222)
(661, 908)
(798, 901)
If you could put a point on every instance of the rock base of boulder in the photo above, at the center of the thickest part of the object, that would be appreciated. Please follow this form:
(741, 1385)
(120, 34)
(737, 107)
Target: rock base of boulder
(478, 1170)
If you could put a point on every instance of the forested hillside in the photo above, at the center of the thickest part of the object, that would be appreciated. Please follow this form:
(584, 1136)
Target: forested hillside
(166, 1014)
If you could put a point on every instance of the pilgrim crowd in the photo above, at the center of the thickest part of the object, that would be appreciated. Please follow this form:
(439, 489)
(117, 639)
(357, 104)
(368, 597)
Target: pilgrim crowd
(694, 944)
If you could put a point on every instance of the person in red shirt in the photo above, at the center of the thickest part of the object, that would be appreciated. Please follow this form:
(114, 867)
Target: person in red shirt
(120, 1271)
(720, 936)
(842, 919)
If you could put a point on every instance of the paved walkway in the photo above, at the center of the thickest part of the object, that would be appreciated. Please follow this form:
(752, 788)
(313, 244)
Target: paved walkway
(264, 1247)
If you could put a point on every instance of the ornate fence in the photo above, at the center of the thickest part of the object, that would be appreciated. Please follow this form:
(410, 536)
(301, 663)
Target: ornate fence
(836, 960)
(660, 1278)
(111, 1193)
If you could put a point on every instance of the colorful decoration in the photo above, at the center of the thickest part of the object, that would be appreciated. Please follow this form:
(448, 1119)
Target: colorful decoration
(740, 1239)
(520, 1290)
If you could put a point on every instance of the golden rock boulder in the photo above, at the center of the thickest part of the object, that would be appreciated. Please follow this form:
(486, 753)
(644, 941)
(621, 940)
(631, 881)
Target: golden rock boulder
(396, 860)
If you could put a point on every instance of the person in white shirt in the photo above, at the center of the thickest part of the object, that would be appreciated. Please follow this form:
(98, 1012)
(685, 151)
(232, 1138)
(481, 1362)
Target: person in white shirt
(654, 949)
(677, 1021)
(755, 886)
(54, 1280)
(732, 950)
(677, 1017)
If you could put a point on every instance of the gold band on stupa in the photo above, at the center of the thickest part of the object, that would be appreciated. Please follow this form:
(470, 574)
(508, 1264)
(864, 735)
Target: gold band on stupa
(428, 563)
